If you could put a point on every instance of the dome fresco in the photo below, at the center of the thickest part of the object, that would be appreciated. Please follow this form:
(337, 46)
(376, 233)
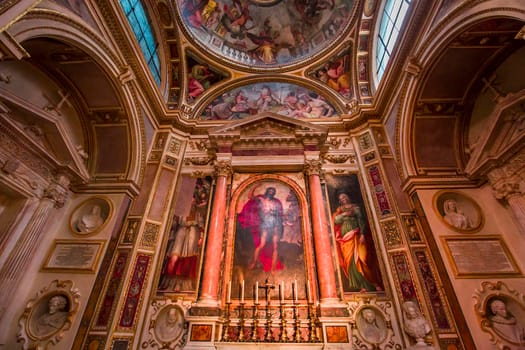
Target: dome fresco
(283, 98)
(265, 33)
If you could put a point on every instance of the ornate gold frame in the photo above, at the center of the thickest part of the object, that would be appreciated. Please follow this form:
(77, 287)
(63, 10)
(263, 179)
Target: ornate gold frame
(516, 272)
(93, 263)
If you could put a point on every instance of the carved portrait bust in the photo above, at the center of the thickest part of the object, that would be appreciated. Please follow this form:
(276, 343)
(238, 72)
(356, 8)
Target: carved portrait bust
(504, 322)
(458, 211)
(415, 324)
(50, 317)
(169, 324)
(90, 216)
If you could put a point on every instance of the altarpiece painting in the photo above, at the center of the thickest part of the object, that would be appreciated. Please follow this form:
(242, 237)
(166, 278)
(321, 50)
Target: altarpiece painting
(269, 239)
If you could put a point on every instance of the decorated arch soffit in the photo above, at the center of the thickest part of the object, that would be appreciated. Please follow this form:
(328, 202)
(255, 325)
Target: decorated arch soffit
(265, 33)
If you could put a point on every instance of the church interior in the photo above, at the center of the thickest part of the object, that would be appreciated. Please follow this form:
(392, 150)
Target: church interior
(262, 174)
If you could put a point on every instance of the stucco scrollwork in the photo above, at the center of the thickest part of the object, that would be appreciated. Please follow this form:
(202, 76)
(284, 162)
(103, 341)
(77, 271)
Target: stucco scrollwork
(198, 160)
(340, 158)
(48, 315)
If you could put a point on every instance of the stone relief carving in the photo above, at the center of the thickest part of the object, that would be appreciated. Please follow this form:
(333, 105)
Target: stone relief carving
(372, 324)
(501, 312)
(458, 211)
(168, 328)
(90, 216)
(48, 315)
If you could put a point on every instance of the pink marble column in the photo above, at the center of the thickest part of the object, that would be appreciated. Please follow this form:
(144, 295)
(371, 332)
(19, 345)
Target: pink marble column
(212, 260)
(323, 249)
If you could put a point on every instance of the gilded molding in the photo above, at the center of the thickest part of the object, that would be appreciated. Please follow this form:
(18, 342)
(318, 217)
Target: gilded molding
(150, 235)
(198, 160)
(340, 158)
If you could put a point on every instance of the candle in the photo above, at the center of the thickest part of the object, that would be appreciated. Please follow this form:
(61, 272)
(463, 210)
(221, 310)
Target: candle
(229, 295)
(295, 291)
(308, 291)
(256, 292)
(242, 291)
(282, 291)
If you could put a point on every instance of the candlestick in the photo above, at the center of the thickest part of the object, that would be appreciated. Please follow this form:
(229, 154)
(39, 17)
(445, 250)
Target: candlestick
(229, 294)
(308, 291)
(256, 292)
(242, 291)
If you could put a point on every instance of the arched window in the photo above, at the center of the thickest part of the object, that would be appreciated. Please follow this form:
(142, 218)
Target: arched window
(391, 21)
(141, 26)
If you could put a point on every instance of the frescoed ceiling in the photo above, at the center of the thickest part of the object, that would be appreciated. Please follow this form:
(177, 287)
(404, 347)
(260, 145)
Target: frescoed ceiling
(231, 59)
(265, 33)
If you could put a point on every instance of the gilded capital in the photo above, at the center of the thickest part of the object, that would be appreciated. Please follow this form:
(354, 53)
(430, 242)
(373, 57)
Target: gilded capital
(223, 168)
(313, 167)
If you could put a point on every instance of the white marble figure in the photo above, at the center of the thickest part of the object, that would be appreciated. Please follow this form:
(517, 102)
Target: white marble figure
(415, 324)
(455, 216)
(54, 319)
(91, 221)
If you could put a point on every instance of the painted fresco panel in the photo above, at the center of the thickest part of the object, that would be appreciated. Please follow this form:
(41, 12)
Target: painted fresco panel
(268, 241)
(336, 73)
(354, 243)
(266, 33)
(180, 268)
(283, 98)
(200, 77)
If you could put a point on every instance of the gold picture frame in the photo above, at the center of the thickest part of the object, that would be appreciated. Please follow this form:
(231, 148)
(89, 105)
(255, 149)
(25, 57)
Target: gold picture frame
(482, 256)
(458, 211)
(73, 255)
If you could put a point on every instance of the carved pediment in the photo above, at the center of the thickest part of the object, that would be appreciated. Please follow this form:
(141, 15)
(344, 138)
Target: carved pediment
(266, 129)
(44, 134)
(503, 137)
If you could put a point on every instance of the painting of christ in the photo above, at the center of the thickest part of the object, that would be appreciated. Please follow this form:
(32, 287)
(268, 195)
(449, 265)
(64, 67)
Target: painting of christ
(268, 239)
